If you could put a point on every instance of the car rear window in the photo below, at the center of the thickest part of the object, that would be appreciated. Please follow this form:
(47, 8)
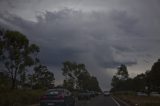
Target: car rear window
(54, 92)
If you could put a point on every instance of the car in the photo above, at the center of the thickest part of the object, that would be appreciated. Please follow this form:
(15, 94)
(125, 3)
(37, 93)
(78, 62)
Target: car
(106, 93)
(99, 93)
(154, 94)
(84, 95)
(57, 97)
(92, 93)
(141, 94)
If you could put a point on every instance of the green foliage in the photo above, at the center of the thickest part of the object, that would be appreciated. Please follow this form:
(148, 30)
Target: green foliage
(77, 77)
(41, 78)
(16, 56)
(122, 73)
(69, 84)
(93, 84)
(120, 80)
(145, 82)
(72, 73)
(4, 81)
(19, 97)
(16, 53)
(154, 75)
(84, 80)
(140, 82)
(139, 100)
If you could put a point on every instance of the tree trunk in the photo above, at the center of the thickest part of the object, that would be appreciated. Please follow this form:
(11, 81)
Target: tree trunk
(14, 80)
(13, 84)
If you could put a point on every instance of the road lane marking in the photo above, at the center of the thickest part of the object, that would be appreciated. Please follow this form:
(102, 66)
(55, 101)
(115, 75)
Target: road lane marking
(116, 102)
(125, 103)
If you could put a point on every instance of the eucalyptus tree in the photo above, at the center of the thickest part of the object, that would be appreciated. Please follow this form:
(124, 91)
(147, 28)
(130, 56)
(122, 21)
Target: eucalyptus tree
(16, 53)
(77, 77)
(42, 77)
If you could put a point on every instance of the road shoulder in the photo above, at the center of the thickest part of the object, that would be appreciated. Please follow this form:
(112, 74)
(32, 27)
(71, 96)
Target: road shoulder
(120, 102)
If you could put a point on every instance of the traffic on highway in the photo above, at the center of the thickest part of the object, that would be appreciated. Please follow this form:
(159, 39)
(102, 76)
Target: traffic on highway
(63, 97)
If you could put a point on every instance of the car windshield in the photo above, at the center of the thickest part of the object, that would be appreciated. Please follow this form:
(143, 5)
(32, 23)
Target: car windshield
(105, 91)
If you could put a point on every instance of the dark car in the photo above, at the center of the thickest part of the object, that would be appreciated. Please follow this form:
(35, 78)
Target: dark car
(57, 97)
(92, 93)
(84, 95)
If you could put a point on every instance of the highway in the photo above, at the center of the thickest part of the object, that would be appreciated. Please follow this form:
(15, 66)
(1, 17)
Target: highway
(98, 101)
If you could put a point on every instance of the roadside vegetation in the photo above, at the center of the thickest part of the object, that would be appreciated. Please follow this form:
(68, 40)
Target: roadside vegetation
(23, 77)
(138, 90)
(78, 78)
(20, 97)
(135, 100)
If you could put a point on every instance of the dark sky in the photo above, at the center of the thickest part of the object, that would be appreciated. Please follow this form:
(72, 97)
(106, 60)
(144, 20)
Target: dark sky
(99, 33)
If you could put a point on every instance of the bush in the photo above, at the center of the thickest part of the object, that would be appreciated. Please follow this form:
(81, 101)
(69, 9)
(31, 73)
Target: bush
(140, 100)
(131, 93)
(19, 97)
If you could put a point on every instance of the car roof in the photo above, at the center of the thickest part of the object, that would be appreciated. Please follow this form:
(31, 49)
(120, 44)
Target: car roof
(57, 89)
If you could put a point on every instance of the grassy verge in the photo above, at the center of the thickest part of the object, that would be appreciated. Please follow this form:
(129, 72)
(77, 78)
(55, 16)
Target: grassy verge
(140, 100)
(19, 97)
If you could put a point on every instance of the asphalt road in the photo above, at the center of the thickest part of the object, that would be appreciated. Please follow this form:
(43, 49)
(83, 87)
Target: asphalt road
(98, 101)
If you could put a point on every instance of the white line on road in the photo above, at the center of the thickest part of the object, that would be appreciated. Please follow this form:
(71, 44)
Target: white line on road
(116, 102)
(125, 103)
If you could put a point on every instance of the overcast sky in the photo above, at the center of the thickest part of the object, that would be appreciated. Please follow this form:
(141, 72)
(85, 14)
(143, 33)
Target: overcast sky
(99, 33)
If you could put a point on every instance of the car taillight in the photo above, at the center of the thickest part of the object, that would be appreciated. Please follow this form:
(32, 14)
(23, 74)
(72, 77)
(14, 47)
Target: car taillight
(43, 97)
(60, 96)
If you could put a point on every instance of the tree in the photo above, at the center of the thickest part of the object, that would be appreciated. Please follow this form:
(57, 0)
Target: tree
(122, 72)
(115, 83)
(148, 82)
(68, 71)
(120, 80)
(17, 53)
(155, 73)
(77, 77)
(153, 76)
(83, 80)
(4, 81)
(140, 82)
(72, 72)
(93, 84)
(69, 84)
(42, 77)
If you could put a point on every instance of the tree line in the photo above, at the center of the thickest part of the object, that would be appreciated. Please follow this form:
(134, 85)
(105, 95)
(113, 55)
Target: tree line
(145, 82)
(77, 77)
(21, 67)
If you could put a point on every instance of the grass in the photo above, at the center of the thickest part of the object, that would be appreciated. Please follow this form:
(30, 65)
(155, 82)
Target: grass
(140, 100)
(19, 97)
